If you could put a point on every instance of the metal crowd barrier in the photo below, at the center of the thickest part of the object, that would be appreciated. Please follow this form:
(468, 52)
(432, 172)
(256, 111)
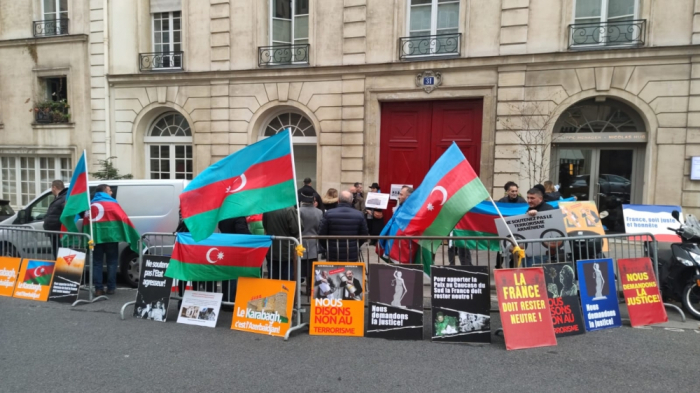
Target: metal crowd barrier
(281, 263)
(23, 241)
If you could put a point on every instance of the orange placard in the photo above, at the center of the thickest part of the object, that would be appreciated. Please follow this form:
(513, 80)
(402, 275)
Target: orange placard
(263, 306)
(9, 268)
(338, 305)
(581, 218)
(34, 281)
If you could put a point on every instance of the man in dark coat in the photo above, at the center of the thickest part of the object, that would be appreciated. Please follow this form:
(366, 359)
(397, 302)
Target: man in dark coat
(282, 222)
(235, 225)
(344, 220)
(52, 219)
(512, 195)
(309, 190)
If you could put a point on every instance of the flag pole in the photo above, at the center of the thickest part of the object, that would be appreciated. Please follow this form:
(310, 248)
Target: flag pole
(87, 193)
(521, 253)
(294, 170)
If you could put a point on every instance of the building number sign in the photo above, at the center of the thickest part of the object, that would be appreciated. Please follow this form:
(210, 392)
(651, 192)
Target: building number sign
(429, 80)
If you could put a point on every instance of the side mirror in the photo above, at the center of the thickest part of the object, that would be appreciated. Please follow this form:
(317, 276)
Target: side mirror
(21, 217)
(676, 215)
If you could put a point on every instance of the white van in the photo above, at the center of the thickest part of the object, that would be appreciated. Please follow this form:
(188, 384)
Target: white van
(152, 206)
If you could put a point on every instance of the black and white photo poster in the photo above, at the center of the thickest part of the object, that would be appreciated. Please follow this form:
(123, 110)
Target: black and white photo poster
(153, 294)
(461, 304)
(200, 308)
(395, 302)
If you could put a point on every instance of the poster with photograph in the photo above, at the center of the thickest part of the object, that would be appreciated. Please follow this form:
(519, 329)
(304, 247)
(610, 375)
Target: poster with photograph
(338, 305)
(461, 303)
(641, 292)
(581, 218)
(562, 291)
(522, 302)
(376, 200)
(543, 225)
(263, 306)
(395, 302)
(200, 308)
(396, 189)
(67, 276)
(153, 295)
(9, 269)
(34, 280)
(598, 294)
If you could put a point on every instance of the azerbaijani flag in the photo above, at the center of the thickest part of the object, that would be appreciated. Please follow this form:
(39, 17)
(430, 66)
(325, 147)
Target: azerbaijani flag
(450, 189)
(39, 273)
(480, 221)
(255, 224)
(77, 199)
(217, 258)
(110, 223)
(254, 180)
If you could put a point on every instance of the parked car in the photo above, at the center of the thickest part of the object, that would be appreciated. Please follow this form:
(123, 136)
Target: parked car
(5, 209)
(152, 206)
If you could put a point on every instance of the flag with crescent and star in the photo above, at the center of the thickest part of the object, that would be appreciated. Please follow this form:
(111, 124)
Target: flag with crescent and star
(218, 257)
(449, 190)
(253, 180)
(109, 222)
(77, 200)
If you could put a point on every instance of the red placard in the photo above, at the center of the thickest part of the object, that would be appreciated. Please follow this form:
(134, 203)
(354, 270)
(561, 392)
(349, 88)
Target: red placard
(641, 291)
(523, 303)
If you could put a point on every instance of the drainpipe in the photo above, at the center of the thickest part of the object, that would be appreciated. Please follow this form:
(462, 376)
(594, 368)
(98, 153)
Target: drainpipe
(108, 133)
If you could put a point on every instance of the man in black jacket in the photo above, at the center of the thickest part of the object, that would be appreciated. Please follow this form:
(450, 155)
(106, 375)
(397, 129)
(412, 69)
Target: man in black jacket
(52, 219)
(344, 220)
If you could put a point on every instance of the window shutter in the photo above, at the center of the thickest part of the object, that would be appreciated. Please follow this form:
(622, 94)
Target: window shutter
(165, 6)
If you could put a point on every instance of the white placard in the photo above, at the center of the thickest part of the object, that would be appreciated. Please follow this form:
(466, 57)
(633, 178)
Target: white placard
(396, 189)
(695, 168)
(376, 200)
(200, 308)
(546, 224)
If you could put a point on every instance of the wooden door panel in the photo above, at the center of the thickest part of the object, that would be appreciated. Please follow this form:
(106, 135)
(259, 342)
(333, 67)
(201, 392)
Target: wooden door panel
(459, 122)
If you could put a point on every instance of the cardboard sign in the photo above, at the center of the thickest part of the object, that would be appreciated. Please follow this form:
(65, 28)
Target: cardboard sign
(523, 304)
(582, 219)
(654, 219)
(642, 294)
(395, 302)
(153, 295)
(263, 306)
(34, 280)
(9, 269)
(376, 200)
(598, 294)
(338, 307)
(200, 308)
(562, 291)
(67, 276)
(396, 189)
(461, 303)
(543, 225)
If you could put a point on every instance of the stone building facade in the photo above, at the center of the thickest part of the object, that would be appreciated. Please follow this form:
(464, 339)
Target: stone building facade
(374, 90)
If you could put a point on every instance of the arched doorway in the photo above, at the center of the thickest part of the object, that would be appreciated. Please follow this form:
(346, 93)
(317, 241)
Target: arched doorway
(169, 148)
(598, 155)
(304, 139)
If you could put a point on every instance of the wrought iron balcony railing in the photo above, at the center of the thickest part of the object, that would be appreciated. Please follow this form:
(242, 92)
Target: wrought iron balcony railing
(430, 45)
(606, 34)
(277, 55)
(161, 61)
(50, 27)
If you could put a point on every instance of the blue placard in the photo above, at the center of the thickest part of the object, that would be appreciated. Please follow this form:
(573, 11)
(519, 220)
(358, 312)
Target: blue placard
(599, 303)
(428, 81)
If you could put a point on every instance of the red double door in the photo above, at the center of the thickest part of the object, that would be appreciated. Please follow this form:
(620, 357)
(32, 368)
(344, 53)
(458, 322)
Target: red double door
(415, 134)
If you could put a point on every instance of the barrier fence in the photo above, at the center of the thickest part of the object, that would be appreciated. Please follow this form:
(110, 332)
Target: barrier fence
(23, 241)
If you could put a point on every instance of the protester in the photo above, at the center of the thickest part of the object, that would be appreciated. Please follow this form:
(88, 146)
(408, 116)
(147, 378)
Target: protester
(52, 219)
(330, 200)
(465, 255)
(512, 195)
(282, 222)
(102, 251)
(358, 198)
(550, 192)
(311, 220)
(344, 221)
(375, 217)
(239, 226)
(536, 203)
(405, 192)
(309, 190)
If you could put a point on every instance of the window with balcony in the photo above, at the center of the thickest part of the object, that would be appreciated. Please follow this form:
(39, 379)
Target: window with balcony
(433, 29)
(53, 107)
(289, 34)
(167, 43)
(55, 19)
(606, 23)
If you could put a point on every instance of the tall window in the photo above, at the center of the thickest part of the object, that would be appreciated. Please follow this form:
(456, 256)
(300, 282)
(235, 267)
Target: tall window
(167, 39)
(169, 148)
(290, 26)
(55, 18)
(24, 178)
(55, 9)
(434, 18)
(605, 22)
(303, 139)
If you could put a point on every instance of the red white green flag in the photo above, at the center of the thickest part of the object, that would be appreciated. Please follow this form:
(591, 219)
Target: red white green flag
(109, 222)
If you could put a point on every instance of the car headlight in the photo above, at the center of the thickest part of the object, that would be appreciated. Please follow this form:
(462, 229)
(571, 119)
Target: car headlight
(685, 261)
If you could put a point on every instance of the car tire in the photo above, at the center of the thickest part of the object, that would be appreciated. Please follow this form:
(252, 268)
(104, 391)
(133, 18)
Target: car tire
(691, 300)
(130, 268)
